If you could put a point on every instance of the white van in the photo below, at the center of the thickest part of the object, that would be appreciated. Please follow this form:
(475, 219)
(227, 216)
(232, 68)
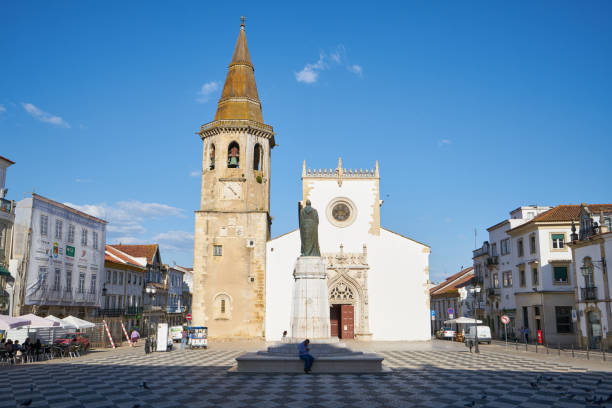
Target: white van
(176, 333)
(484, 335)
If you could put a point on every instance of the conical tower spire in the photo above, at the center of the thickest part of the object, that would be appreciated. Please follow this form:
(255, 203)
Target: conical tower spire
(239, 99)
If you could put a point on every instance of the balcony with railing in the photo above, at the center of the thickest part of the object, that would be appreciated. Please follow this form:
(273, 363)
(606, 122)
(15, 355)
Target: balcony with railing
(175, 309)
(492, 261)
(7, 206)
(110, 312)
(480, 252)
(588, 293)
(493, 292)
(133, 310)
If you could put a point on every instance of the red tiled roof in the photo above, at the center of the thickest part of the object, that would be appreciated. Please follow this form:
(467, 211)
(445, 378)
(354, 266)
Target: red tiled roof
(453, 282)
(139, 251)
(566, 213)
(114, 255)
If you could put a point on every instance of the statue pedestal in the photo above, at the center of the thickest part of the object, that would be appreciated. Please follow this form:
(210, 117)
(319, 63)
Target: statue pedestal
(310, 311)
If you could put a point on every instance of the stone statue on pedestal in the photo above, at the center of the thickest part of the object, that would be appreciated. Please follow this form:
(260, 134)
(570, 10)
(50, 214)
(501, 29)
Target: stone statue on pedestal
(309, 231)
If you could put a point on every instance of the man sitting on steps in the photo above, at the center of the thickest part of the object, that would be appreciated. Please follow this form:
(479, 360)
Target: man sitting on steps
(304, 355)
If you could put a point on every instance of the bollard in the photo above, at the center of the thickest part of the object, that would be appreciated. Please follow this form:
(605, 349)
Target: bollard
(536, 347)
(587, 351)
(525, 345)
(559, 349)
(546, 348)
(516, 344)
(573, 351)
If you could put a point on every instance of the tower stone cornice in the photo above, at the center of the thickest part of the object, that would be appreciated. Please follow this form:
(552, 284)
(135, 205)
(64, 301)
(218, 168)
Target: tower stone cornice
(237, 125)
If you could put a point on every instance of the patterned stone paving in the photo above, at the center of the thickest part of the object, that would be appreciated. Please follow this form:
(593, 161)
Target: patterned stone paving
(200, 378)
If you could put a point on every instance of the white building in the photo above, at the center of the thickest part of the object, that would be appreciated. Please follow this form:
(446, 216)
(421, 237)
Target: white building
(58, 259)
(7, 219)
(175, 307)
(540, 264)
(496, 260)
(122, 292)
(590, 251)
(377, 279)
(447, 296)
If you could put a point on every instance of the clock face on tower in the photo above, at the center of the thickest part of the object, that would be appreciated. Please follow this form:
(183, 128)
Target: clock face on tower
(232, 190)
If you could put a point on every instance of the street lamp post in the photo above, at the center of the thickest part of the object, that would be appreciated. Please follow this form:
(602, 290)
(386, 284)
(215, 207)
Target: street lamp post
(151, 292)
(475, 291)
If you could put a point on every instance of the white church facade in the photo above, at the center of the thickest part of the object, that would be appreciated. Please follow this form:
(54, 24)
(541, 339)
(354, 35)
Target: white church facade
(243, 279)
(376, 278)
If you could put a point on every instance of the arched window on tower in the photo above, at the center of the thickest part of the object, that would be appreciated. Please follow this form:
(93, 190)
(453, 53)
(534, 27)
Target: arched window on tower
(211, 157)
(257, 157)
(233, 156)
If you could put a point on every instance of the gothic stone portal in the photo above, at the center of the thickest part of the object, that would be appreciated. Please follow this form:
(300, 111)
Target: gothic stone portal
(347, 275)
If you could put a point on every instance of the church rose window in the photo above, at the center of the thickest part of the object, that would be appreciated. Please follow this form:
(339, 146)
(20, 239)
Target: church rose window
(341, 212)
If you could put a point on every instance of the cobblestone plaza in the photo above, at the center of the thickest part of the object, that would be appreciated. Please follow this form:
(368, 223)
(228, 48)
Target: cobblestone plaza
(439, 374)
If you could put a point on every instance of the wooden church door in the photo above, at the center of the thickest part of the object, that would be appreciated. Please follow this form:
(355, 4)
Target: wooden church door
(347, 321)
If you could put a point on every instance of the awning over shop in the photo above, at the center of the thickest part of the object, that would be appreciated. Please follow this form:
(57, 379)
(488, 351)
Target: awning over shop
(463, 320)
(76, 323)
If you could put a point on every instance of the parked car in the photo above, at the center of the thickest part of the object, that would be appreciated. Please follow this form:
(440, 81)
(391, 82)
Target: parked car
(81, 338)
(484, 335)
(446, 333)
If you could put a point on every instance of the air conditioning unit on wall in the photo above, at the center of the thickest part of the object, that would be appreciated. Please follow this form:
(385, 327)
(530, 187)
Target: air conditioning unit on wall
(250, 243)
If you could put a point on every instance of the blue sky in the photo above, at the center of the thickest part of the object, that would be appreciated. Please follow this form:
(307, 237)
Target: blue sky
(471, 108)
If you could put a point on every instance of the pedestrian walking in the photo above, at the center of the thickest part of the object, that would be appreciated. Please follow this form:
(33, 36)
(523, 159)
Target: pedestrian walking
(183, 339)
(134, 336)
(303, 350)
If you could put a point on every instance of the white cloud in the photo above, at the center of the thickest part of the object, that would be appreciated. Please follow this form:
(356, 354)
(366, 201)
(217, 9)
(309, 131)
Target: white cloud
(174, 236)
(337, 57)
(128, 217)
(444, 142)
(355, 69)
(206, 91)
(195, 173)
(44, 116)
(2, 108)
(125, 241)
(310, 73)
(180, 241)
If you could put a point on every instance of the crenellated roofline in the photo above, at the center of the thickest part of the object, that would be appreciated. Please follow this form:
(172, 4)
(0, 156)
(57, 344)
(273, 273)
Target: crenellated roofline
(340, 173)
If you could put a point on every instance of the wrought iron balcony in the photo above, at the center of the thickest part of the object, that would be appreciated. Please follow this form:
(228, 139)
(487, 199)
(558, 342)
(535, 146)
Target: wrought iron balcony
(133, 310)
(493, 292)
(492, 260)
(589, 293)
(110, 312)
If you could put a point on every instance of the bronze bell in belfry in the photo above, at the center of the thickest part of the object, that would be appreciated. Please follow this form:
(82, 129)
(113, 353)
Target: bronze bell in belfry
(233, 158)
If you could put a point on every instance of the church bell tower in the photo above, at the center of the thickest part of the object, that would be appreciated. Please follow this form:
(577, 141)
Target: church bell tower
(233, 223)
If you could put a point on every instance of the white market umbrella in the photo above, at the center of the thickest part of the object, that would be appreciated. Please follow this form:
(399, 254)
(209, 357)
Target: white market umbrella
(77, 323)
(463, 320)
(39, 322)
(57, 320)
(7, 322)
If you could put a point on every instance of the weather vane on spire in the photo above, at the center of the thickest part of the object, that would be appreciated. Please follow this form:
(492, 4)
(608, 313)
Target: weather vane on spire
(242, 20)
